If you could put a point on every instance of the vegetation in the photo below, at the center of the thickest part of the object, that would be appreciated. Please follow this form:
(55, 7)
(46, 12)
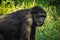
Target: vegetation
(51, 28)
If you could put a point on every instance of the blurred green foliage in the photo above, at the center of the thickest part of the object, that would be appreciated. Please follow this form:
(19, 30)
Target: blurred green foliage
(51, 28)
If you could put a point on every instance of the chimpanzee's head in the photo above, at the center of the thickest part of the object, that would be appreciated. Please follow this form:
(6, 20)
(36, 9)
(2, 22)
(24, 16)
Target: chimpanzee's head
(38, 15)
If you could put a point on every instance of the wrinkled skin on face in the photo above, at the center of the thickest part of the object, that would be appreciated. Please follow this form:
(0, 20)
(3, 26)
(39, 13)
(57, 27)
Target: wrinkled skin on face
(39, 17)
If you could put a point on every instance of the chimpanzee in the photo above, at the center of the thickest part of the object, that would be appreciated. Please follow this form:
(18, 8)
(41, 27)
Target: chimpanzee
(21, 25)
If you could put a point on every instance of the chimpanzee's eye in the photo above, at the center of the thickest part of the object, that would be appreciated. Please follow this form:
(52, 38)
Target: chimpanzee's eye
(42, 16)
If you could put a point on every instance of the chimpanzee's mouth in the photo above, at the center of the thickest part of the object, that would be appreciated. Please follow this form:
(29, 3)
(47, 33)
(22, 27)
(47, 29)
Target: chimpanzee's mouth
(39, 23)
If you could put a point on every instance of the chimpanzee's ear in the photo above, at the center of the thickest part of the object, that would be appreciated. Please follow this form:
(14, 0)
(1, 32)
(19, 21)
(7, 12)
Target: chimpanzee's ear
(33, 10)
(36, 9)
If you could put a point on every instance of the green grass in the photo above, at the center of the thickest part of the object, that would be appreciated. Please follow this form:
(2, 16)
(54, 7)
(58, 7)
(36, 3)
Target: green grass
(48, 31)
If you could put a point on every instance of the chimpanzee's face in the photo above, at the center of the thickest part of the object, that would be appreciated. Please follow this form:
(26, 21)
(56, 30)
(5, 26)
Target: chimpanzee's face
(39, 17)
